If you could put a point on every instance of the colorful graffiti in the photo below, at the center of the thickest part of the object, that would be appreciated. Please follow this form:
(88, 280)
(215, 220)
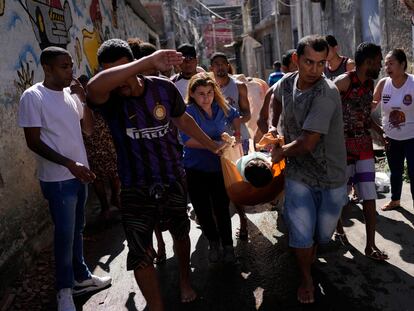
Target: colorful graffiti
(25, 75)
(78, 52)
(50, 21)
(91, 42)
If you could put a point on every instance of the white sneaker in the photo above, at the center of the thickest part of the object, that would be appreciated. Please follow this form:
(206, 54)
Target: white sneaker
(93, 284)
(65, 300)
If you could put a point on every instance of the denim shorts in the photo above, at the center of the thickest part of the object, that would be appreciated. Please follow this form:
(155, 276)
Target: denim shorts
(311, 214)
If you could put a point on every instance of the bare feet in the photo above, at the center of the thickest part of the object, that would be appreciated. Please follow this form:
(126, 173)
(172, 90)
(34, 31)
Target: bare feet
(187, 293)
(306, 292)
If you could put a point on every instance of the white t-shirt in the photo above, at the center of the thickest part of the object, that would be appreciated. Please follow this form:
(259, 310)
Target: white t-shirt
(182, 85)
(398, 109)
(58, 115)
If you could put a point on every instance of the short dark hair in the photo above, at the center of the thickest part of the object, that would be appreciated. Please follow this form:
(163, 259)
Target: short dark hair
(50, 53)
(187, 50)
(287, 57)
(216, 55)
(316, 42)
(258, 173)
(366, 50)
(114, 49)
(400, 56)
(331, 40)
(277, 65)
(134, 45)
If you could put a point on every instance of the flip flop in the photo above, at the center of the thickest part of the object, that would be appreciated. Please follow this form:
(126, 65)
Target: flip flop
(391, 205)
(377, 255)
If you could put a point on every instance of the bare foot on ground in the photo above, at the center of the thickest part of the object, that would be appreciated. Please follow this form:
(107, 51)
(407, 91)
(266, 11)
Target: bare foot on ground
(306, 293)
(187, 293)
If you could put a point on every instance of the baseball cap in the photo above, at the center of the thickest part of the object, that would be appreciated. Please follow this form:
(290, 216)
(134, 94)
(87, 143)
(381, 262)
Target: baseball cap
(187, 50)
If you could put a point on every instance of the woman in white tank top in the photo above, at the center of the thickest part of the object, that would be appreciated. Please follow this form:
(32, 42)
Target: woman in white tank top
(396, 95)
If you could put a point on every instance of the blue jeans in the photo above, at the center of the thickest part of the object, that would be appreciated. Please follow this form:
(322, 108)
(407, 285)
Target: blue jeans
(67, 201)
(311, 214)
(397, 152)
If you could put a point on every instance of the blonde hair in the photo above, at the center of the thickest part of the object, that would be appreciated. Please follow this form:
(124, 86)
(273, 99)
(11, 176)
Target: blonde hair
(206, 79)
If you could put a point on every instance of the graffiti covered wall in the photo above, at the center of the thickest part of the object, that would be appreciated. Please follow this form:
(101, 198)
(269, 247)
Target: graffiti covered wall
(26, 27)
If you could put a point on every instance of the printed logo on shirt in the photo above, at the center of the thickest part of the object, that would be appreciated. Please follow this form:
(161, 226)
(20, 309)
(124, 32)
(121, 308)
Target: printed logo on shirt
(386, 98)
(159, 112)
(407, 100)
(396, 119)
(148, 133)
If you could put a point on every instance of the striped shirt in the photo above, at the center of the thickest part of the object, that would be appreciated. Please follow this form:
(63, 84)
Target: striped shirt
(145, 137)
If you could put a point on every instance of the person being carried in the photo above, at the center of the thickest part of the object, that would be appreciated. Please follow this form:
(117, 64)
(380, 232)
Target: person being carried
(143, 114)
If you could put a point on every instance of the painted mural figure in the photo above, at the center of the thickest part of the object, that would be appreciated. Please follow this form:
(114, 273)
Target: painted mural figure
(50, 21)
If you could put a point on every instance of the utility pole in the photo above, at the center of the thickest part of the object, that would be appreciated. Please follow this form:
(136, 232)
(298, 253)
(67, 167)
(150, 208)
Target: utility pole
(213, 18)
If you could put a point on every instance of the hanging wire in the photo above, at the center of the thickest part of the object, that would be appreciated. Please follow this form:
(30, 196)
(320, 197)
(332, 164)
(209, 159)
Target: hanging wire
(286, 4)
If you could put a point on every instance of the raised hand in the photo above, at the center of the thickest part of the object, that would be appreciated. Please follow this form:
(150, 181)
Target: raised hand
(77, 88)
(163, 60)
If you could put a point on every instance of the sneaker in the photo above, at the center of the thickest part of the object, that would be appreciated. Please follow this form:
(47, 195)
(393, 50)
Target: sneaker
(213, 252)
(228, 254)
(65, 300)
(93, 284)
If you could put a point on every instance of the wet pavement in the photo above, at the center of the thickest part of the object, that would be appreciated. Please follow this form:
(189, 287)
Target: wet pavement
(265, 277)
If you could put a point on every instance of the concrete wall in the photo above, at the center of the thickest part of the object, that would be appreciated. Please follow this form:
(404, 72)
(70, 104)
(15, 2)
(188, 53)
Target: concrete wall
(27, 26)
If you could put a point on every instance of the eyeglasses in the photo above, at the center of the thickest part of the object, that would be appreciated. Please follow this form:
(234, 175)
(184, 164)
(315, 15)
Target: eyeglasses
(189, 58)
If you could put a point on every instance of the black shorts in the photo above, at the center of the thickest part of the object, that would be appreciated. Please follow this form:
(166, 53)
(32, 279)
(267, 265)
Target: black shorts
(142, 209)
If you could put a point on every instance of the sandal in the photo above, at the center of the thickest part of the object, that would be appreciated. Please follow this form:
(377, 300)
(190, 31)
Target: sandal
(242, 235)
(160, 259)
(391, 205)
(341, 238)
(377, 255)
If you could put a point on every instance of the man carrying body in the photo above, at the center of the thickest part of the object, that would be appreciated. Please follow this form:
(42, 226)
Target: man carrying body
(52, 120)
(312, 126)
(188, 68)
(143, 114)
(356, 88)
(235, 93)
(335, 63)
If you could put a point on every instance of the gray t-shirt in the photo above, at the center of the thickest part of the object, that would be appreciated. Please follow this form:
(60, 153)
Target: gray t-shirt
(319, 110)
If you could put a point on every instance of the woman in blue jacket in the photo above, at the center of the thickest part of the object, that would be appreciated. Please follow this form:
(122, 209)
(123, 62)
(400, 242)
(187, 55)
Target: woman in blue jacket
(206, 187)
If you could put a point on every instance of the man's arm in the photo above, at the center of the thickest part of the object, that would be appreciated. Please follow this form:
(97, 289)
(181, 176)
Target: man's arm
(87, 121)
(186, 124)
(304, 144)
(263, 121)
(32, 135)
(101, 85)
(342, 83)
(243, 103)
(276, 107)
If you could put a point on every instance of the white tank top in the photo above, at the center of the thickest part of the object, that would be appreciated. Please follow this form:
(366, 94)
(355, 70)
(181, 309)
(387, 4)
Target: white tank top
(231, 94)
(398, 109)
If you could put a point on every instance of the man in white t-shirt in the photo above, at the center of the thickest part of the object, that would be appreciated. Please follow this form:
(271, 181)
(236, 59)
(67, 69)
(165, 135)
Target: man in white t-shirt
(188, 68)
(52, 119)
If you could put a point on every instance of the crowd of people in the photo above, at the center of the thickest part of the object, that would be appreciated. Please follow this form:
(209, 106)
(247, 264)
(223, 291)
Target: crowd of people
(157, 138)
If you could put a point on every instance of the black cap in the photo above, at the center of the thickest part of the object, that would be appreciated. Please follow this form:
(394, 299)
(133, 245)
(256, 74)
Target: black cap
(218, 54)
(187, 50)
